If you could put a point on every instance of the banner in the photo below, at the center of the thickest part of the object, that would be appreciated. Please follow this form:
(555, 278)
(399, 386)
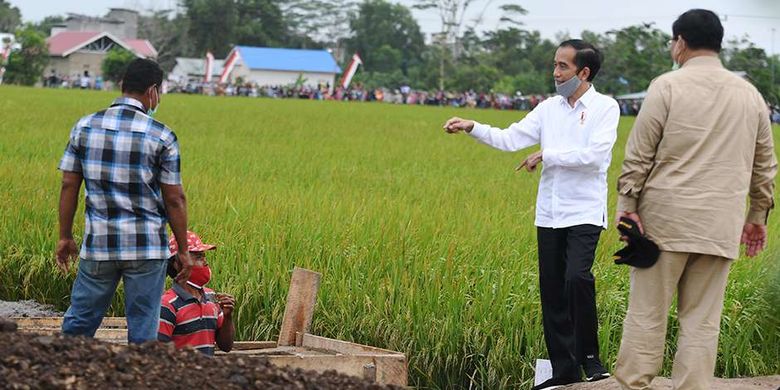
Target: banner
(209, 67)
(351, 69)
(230, 62)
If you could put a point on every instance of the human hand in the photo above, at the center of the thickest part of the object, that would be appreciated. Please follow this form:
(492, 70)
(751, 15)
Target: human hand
(185, 264)
(66, 251)
(227, 303)
(754, 238)
(530, 162)
(455, 124)
(632, 216)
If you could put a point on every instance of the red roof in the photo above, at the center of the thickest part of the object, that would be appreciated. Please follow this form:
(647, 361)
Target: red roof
(142, 47)
(66, 42)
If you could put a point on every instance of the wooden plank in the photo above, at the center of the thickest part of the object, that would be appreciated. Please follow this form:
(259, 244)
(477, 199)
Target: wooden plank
(392, 370)
(386, 369)
(100, 334)
(245, 345)
(56, 322)
(340, 346)
(301, 300)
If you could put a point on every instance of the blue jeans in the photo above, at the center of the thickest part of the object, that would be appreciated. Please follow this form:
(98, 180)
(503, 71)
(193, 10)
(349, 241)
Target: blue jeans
(95, 286)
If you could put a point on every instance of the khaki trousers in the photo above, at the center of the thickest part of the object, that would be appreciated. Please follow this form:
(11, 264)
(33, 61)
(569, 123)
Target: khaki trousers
(700, 282)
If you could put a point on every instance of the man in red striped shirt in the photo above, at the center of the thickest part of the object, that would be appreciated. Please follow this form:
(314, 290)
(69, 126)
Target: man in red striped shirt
(192, 314)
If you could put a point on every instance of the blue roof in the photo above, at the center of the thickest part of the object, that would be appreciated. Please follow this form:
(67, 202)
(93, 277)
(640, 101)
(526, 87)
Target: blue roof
(295, 60)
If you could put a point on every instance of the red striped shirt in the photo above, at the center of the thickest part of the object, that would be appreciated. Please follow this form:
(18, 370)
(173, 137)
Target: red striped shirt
(187, 321)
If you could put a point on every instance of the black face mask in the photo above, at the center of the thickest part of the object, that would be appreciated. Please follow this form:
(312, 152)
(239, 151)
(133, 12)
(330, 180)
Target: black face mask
(641, 252)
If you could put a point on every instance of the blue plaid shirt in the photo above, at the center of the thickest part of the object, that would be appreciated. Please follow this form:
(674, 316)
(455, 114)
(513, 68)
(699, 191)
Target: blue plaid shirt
(124, 155)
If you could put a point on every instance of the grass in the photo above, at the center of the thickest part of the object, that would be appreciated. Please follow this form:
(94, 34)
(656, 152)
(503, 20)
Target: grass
(425, 240)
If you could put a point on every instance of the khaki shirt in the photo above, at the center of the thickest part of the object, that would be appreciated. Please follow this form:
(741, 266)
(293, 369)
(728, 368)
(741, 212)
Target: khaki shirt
(700, 145)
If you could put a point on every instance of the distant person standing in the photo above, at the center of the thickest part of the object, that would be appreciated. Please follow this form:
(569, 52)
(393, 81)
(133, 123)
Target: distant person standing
(84, 81)
(129, 164)
(701, 144)
(576, 131)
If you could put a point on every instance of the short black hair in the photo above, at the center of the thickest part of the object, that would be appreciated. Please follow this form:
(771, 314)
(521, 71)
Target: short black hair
(586, 56)
(700, 28)
(141, 73)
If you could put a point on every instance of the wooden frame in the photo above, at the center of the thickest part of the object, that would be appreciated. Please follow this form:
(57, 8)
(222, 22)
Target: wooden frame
(295, 348)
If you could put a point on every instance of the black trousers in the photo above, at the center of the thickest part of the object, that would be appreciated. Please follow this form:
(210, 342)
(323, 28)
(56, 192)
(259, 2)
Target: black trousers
(568, 293)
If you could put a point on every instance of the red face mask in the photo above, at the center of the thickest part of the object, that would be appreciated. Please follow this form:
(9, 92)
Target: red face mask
(200, 276)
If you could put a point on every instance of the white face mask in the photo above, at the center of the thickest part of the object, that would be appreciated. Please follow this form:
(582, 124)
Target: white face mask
(152, 111)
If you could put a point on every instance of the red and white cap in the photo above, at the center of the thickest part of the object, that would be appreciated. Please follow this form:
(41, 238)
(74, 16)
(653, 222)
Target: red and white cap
(194, 244)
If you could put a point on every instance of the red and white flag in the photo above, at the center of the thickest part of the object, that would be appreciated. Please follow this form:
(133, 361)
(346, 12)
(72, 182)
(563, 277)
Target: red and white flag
(350, 72)
(209, 67)
(230, 62)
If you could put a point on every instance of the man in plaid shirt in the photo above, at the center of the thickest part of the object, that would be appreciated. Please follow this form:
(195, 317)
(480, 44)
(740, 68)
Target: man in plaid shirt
(129, 164)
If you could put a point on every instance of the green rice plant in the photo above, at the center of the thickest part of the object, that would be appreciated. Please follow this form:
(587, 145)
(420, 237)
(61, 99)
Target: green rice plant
(425, 241)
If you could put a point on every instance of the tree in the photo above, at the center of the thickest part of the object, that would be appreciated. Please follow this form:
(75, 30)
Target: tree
(633, 57)
(212, 25)
(381, 29)
(743, 55)
(25, 66)
(115, 63)
(10, 17)
(217, 25)
(168, 36)
(44, 26)
(324, 21)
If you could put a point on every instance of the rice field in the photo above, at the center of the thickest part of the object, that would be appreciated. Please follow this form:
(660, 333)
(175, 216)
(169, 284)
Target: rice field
(425, 240)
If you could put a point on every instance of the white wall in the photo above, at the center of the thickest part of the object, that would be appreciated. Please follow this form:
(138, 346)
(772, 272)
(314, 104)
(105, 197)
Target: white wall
(272, 77)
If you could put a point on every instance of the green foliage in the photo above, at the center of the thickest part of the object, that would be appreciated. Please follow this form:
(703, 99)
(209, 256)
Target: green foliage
(385, 31)
(115, 63)
(425, 241)
(10, 17)
(44, 26)
(26, 66)
(743, 55)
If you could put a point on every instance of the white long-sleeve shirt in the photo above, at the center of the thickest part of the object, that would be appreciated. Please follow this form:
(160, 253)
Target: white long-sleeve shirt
(576, 151)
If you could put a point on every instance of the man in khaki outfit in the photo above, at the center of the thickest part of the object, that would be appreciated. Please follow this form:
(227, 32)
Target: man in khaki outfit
(701, 143)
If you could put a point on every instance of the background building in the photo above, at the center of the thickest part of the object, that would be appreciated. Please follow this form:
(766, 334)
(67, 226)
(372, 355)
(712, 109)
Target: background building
(271, 66)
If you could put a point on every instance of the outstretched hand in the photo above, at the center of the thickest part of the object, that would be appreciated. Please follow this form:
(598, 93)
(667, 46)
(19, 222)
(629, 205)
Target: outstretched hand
(455, 124)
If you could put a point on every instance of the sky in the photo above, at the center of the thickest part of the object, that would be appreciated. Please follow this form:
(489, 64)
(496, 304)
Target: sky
(754, 19)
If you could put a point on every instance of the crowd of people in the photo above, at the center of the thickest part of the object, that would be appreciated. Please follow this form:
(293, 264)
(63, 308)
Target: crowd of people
(359, 93)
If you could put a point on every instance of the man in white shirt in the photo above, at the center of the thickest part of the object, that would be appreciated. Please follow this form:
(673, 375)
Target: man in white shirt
(576, 131)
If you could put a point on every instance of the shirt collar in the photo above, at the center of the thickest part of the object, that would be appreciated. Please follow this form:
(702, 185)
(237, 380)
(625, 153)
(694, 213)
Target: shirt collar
(703, 61)
(128, 101)
(184, 294)
(586, 99)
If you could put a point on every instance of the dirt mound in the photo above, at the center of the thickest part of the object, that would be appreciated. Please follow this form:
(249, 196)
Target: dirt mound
(34, 361)
(761, 383)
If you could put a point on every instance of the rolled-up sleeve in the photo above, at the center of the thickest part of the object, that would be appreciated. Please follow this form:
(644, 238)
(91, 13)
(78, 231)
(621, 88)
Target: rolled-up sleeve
(642, 145)
(599, 145)
(762, 181)
(170, 163)
(519, 135)
(70, 161)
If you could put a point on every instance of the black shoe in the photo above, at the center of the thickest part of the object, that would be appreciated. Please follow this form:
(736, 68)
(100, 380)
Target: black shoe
(594, 371)
(555, 383)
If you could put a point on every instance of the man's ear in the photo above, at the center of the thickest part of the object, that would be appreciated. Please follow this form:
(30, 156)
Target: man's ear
(585, 72)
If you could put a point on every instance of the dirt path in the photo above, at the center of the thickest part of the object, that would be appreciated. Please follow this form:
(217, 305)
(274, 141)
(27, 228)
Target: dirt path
(759, 383)
(26, 309)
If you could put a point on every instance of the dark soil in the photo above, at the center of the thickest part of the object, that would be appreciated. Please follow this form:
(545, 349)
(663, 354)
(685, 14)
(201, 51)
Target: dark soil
(29, 361)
